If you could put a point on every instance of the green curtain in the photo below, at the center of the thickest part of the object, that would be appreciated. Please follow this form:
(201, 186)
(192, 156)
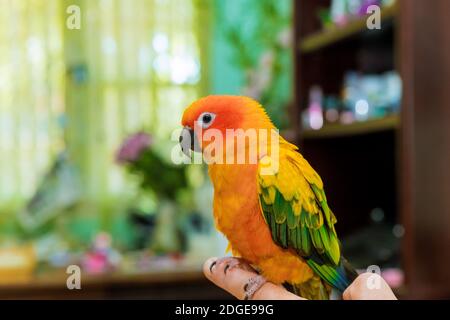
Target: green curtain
(31, 94)
(134, 64)
(140, 64)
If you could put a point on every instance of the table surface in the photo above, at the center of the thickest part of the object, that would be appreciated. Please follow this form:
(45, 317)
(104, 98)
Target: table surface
(177, 282)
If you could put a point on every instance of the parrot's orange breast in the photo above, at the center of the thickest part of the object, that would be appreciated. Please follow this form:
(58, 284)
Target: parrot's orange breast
(238, 216)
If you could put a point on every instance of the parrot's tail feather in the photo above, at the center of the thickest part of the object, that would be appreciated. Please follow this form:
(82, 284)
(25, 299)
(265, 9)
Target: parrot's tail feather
(339, 277)
(313, 289)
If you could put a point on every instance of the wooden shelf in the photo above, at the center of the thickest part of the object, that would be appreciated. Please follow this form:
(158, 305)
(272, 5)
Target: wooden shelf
(357, 128)
(328, 37)
(387, 163)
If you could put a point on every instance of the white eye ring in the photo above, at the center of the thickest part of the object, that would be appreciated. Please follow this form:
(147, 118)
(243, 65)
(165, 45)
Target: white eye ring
(206, 119)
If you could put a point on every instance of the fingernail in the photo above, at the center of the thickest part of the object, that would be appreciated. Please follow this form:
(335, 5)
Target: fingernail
(212, 266)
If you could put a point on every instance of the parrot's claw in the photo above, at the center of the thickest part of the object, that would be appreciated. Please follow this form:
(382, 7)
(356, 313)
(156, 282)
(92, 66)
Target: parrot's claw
(229, 263)
(253, 285)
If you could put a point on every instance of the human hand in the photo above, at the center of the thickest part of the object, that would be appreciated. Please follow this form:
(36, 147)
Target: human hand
(369, 286)
(235, 279)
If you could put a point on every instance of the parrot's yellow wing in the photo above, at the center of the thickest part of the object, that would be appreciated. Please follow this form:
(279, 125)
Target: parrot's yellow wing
(294, 206)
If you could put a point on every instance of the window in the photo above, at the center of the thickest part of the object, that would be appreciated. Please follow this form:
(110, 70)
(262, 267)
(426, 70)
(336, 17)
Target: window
(31, 94)
(133, 65)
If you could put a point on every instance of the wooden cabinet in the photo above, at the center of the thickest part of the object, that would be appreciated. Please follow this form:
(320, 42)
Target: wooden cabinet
(399, 163)
(425, 146)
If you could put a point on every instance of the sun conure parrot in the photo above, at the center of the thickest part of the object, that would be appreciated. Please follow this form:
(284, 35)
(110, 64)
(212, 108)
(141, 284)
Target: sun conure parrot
(279, 223)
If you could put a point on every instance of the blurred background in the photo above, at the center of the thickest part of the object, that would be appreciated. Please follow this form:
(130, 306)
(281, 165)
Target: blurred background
(91, 97)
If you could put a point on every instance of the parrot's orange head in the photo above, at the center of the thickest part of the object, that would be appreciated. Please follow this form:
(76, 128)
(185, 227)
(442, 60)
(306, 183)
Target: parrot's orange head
(220, 113)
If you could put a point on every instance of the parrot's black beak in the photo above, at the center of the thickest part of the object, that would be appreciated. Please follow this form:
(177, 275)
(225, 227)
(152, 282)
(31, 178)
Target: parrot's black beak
(188, 141)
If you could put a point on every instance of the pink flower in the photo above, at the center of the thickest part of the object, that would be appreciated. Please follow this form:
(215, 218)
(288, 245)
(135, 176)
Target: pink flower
(133, 147)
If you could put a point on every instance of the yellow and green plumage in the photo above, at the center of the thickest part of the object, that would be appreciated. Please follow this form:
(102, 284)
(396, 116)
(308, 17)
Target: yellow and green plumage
(295, 207)
(279, 222)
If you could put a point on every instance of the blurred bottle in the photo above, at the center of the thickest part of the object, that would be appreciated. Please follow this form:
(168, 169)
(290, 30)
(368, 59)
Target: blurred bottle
(315, 110)
(354, 96)
(331, 105)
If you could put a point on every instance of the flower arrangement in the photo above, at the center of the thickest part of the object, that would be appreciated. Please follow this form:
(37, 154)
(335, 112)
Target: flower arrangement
(140, 158)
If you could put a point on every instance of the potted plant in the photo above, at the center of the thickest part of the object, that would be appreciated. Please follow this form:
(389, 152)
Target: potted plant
(163, 178)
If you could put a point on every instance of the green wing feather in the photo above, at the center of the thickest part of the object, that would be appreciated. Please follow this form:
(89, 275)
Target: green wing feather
(295, 207)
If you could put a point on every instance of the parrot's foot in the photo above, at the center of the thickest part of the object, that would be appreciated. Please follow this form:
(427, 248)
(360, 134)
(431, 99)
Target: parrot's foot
(229, 263)
(253, 285)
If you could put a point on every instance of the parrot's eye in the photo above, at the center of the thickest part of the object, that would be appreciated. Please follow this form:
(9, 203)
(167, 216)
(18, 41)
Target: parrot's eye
(206, 119)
